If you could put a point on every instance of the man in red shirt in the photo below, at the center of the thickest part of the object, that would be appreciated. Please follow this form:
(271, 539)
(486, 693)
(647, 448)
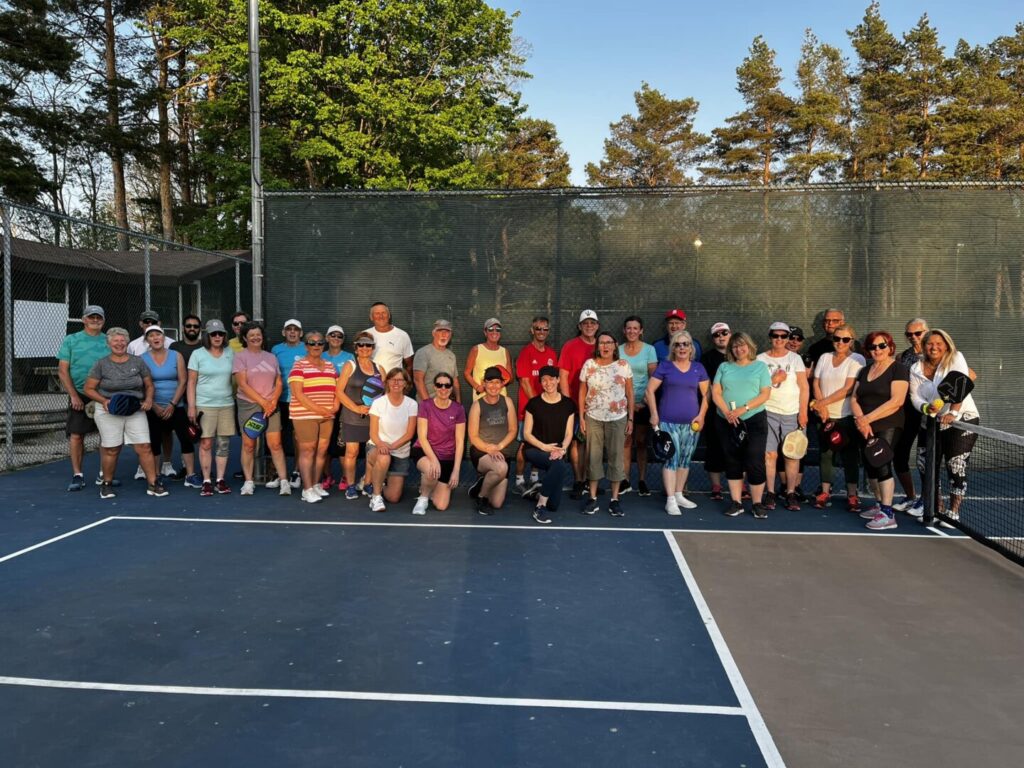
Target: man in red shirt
(532, 358)
(575, 352)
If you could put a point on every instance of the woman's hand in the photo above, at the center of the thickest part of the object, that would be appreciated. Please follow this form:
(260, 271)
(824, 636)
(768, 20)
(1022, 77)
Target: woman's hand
(556, 452)
(192, 413)
(863, 426)
(699, 423)
(629, 427)
(434, 469)
(947, 418)
(733, 416)
(167, 412)
(147, 404)
(453, 481)
(822, 411)
(362, 410)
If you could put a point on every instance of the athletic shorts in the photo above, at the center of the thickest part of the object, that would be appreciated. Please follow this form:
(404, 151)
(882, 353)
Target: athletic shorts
(116, 431)
(247, 410)
(447, 465)
(312, 430)
(779, 426)
(399, 464)
(78, 423)
(217, 422)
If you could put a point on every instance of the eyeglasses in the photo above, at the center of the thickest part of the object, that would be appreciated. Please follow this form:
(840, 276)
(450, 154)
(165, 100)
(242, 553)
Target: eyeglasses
(778, 335)
(796, 337)
(365, 344)
(681, 344)
(314, 343)
(191, 327)
(720, 334)
(443, 385)
(879, 345)
(843, 339)
(914, 334)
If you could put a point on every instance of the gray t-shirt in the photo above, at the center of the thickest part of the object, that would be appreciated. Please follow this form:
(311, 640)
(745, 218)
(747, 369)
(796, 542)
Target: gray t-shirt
(433, 361)
(125, 378)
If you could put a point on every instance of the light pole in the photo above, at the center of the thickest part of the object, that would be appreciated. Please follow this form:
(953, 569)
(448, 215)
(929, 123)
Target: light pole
(256, 175)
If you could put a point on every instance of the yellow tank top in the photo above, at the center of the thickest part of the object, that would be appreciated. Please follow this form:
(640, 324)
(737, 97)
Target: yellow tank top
(485, 358)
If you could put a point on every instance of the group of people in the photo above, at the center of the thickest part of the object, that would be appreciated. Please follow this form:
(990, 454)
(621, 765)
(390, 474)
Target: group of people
(583, 414)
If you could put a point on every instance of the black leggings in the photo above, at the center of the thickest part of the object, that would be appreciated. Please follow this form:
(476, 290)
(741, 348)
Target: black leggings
(884, 472)
(901, 451)
(956, 446)
(178, 423)
(749, 456)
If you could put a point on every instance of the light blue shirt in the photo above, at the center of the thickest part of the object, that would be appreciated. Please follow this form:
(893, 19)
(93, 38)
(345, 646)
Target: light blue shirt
(286, 356)
(639, 362)
(213, 387)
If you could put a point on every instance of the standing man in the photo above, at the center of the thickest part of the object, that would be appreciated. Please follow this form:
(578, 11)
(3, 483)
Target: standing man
(714, 457)
(675, 321)
(532, 358)
(75, 359)
(394, 347)
(287, 352)
(575, 353)
(139, 345)
(191, 337)
(238, 320)
(832, 319)
(434, 358)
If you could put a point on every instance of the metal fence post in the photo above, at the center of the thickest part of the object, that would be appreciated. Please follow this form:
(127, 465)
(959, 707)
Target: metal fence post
(148, 275)
(931, 470)
(5, 215)
(238, 286)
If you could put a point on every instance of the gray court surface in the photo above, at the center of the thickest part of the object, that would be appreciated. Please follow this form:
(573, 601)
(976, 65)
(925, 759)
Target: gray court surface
(866, 651)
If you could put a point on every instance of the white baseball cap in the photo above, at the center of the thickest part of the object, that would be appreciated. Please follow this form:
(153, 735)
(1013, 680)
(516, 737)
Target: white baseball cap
(588, 314)
(778, 326)
(335, 328)
(294, 322)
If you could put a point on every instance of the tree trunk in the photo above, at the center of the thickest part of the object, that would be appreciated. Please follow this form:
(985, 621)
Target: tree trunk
(114, 123)
(166, 151)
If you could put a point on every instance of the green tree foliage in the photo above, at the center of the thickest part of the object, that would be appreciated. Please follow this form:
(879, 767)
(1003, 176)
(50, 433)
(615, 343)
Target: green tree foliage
(652, 148)
(925, 88)
(530, 156)
(748, 148)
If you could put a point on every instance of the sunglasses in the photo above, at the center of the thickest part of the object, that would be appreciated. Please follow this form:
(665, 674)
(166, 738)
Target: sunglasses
(365, 344)
(914, 334)
(681, 344)
(314, 343)
(443, 385)
(879, 345)
(336, 335)
(778, 335)
(189, 327)
(215, 334)
(494, 329)
(843, 339)
(796, 337)
(541, 330)
(238, 322)
(720, 334)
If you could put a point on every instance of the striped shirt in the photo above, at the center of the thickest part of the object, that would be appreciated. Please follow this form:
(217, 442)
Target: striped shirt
(318, 386)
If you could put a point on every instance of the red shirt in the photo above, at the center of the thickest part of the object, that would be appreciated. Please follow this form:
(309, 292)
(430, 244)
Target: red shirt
(575, 353)
(528, 366)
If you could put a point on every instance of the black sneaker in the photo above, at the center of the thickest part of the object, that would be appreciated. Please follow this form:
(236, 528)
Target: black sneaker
(615, 509)
(735, 509)
(578, 491)
(625, 487)
(483, 507)
(590, 507)
(107, 491)
(760, 511)
(156, 489)
(474, 489)
(532, 491)
(768, 502)
(642, 489)
(793, 502)
(77, 483)
(540, 514)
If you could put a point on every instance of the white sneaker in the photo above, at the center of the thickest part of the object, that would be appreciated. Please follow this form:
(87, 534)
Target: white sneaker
(140, 473)
(284, 490)
(420, 508)
(320, 490)
(672, 507)
(296, 480)
(248, 488)
(535, 477)
(684, 502)
(377, 504)
(167, 469)
(276, 482)
(902, 506)
(311, 496)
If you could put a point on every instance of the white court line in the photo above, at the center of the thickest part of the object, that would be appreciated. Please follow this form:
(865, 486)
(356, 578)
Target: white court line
(419, 698)
(486, 526)
(764, 739)
(55, 538)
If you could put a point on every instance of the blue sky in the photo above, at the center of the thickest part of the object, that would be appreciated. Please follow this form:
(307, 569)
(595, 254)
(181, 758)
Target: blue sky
(587, 58)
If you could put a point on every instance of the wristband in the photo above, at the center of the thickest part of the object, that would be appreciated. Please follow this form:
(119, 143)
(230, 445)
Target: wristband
(924, 409)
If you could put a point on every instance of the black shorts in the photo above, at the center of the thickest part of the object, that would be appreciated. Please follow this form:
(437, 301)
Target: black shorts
(78, 423)
(447, 465)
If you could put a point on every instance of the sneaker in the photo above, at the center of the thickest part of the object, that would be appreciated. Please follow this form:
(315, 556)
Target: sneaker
(519, 489)
(248, 488)
(275, 483)
(579, 491)
(716, 493)
(768, 502)
(882, 522)
(377, 504)
(760, 511)
(474, 489)
(221, 486)
(420, 507)
(343, 484)
(823, 500)
(296, 480)
(625, 487)
(77, 483)
(207, 488)
(870, 512)
(352, 492)
(735, 509)
(535, 476)
(641, 489)
(366, 489)
(156, 489)
(531, 491)
(167, 470)
(672, 506)
(181, 474)
(114, 482)
(321, 491)
(903, 505)
(285, 489)
(917, 508)
(140, 474)
(793, 502)
(327, 482)
(483, 507)
(853, 503)
(310, 496)
(683, 502)
(195, 481)
(615, 508)
(590, 507)
(540, 514)
(107, 491)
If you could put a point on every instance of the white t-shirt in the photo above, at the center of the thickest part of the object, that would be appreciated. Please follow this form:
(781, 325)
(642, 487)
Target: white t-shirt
(832, 378)
(138, 346)
(392, 347)
(394, 421)
(785, 398)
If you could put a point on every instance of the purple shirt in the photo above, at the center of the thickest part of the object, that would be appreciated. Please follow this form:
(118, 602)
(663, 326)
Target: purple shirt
(679, 394)
(260, 370)
(441, 426)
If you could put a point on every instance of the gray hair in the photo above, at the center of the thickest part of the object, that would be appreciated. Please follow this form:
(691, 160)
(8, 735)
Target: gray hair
(915, 321)
(680, 336)
(111, 333)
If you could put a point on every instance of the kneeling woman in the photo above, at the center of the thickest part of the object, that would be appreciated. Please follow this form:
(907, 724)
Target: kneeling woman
(441, 439)
(392, 428)
(492, 441)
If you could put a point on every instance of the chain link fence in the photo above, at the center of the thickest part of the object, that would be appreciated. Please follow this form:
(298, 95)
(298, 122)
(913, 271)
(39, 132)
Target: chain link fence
(54, 266)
